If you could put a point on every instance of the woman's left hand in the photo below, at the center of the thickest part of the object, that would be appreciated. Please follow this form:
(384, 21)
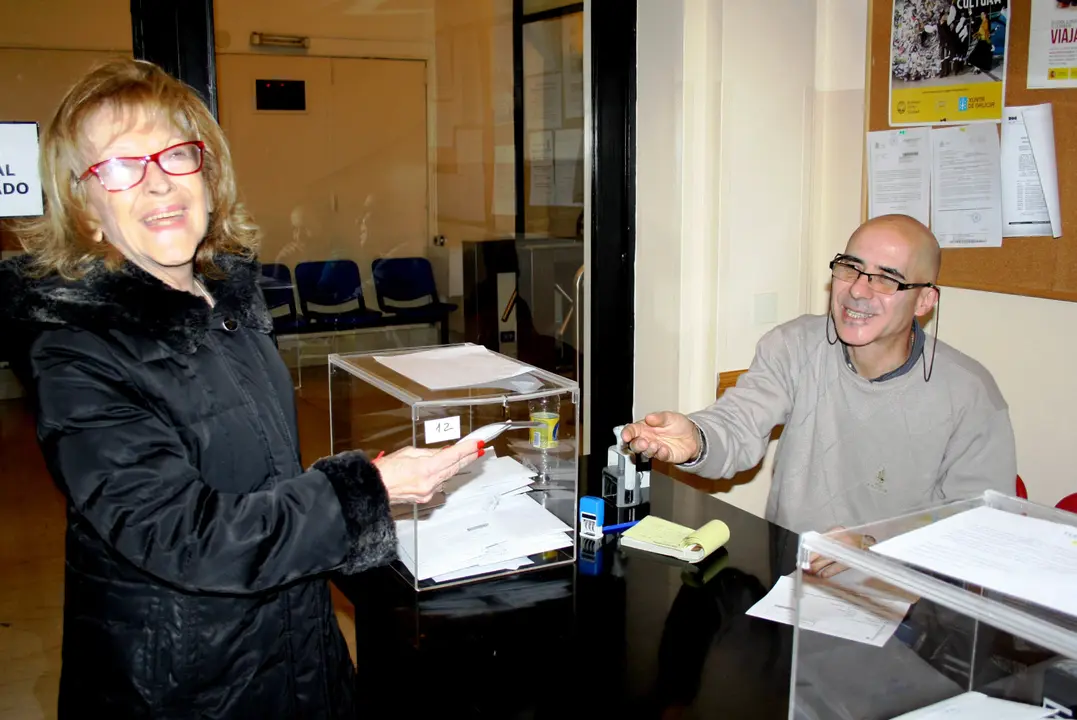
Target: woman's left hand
(415, 474)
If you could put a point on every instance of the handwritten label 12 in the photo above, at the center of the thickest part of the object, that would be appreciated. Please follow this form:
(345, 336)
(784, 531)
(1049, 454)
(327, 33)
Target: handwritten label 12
(442, 429)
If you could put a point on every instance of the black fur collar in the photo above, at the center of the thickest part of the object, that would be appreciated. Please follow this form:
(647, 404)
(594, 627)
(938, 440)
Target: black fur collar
(133, 301)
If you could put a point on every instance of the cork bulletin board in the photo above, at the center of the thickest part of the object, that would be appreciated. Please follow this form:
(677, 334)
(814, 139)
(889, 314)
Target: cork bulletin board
(1039, 266)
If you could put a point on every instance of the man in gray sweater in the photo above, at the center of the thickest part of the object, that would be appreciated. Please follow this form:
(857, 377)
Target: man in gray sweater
(878, 420)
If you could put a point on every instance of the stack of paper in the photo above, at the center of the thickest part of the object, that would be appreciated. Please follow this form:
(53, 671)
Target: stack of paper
(454, 367)
(1024, 557)
(977, 705)
(487, 523)
(850, 605)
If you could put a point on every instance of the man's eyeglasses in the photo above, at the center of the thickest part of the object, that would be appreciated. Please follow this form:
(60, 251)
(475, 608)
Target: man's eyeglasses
(879, 283)
(123, 173)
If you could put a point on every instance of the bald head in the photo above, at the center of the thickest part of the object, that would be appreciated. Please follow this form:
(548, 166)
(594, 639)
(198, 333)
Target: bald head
(925, 256)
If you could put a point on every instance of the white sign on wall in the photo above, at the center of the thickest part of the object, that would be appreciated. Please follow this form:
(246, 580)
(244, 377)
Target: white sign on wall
(20, 183)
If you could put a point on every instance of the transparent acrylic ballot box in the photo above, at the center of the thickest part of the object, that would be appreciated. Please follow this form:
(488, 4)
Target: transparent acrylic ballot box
(511, 511)
(889, 636)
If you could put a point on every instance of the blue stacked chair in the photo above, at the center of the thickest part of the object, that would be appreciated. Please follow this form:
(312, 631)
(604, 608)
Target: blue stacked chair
(400, 282)
(276, 284)
(333, 283)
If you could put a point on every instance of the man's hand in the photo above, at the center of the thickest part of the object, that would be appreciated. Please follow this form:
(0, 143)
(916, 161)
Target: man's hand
(666, 436)
(827, 568)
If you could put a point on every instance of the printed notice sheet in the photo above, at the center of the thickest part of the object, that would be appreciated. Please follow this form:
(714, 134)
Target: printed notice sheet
(965, 186)
(1024, 557)
(1030, 205)
(899, 171)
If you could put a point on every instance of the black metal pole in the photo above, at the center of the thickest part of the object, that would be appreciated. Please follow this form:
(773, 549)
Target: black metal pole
(518, 109)
(611, 275)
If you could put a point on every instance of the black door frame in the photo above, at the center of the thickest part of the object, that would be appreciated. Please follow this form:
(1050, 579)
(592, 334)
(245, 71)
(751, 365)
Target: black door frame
(611, 274)
(178, 35)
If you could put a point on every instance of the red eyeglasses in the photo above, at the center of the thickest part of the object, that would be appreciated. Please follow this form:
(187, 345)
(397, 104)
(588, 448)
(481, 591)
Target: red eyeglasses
(123, 173)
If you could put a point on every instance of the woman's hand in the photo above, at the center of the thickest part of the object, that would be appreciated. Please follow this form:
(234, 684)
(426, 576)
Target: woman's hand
(415, 474)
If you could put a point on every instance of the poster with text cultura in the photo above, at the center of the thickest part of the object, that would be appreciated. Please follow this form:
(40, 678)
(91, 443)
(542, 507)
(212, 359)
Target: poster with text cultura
(947, 61)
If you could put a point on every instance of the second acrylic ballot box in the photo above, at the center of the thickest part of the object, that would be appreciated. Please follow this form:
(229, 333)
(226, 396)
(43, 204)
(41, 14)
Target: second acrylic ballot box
(964, 609)
(509, 512)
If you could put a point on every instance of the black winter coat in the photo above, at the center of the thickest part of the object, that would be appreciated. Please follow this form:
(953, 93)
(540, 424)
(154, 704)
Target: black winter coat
(198, 548)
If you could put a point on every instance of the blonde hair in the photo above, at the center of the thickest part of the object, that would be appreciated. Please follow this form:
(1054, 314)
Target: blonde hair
(62, 240)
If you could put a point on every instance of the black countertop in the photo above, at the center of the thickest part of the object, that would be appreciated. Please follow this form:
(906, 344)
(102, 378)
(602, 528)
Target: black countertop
(628, 634)
(620, 634)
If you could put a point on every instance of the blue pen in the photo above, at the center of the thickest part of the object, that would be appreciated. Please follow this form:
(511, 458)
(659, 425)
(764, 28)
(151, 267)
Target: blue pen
(608, 529)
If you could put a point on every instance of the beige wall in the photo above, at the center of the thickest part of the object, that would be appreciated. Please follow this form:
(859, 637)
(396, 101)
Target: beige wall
(724, 147)
(1029, 346)
(66, 24)
(45, 47)
(1024, 342)
(838, 147)
(395, 26)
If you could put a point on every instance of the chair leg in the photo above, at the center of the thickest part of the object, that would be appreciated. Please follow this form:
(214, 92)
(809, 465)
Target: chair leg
(444, 324)
(299, 364)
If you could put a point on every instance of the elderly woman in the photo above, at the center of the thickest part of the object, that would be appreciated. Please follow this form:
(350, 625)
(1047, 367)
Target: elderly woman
(198, 547)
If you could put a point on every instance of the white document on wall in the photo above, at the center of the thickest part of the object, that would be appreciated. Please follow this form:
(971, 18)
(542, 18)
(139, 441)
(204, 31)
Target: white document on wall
(846, 606)
(966, 194)
(542, 48)
(568, 167)
(1025, 557)
(542, 184)
(568, 145)
(565, 184)
(573, 82)
(542, 101)
(899, 173)
(540, 146)
(1030, 202)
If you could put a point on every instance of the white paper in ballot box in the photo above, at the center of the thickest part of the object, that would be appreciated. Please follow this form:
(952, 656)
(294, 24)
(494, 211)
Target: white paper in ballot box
(487, 523)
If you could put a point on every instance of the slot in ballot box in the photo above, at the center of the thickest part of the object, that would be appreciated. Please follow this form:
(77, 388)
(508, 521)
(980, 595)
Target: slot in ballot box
(513, 510)
(963, 606)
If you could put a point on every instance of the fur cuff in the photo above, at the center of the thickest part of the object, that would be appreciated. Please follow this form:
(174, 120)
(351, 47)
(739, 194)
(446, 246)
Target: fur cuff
(371, 532)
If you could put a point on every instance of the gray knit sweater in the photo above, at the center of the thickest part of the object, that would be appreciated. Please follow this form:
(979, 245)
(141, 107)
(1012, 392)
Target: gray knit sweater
(854, 451)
